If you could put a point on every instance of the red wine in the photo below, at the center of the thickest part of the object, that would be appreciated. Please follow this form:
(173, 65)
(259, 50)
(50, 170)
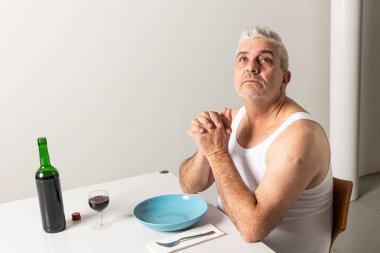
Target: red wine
(99, 203)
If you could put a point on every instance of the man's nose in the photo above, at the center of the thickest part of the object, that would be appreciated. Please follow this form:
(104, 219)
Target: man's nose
(253, 67)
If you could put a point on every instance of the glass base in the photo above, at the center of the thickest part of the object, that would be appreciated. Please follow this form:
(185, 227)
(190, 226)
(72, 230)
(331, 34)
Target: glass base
(103, 225)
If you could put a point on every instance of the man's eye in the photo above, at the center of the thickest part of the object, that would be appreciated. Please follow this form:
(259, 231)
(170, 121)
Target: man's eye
(265, 59)
(242, 59)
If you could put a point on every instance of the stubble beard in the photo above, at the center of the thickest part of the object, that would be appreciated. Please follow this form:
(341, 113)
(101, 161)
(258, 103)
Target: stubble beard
(257, 94)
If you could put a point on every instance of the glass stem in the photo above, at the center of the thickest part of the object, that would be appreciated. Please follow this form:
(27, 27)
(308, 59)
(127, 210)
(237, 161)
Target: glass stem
(101, 218)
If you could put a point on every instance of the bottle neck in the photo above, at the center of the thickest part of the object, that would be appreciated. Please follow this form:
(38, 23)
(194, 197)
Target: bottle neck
(44, 155)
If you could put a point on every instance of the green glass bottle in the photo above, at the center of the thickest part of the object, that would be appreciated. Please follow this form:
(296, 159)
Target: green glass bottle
(49, 192)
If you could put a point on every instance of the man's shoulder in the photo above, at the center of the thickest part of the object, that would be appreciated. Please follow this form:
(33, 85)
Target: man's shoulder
(303, 129)
(305, 124)
(304, 139)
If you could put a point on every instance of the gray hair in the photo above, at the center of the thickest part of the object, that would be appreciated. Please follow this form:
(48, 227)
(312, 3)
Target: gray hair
(257, 32)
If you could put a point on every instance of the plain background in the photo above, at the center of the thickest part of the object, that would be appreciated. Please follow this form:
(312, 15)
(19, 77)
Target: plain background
(113, 85)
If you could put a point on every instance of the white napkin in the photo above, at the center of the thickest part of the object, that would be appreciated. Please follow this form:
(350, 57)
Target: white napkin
(155, 248)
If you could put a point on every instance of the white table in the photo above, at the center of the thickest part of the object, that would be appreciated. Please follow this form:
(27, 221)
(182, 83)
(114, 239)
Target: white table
(21, 227)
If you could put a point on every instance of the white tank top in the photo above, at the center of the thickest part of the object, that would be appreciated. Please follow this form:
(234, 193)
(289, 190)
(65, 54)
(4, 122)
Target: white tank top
(307, 225)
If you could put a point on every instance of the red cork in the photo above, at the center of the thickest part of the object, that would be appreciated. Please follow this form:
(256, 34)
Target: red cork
(75, 216)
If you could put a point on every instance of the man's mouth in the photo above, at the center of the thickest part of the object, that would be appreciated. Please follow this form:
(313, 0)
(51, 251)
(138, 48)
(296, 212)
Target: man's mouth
(251, 81)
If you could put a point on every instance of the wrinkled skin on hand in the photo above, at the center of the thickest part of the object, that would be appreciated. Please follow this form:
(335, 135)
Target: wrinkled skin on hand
(211, 131)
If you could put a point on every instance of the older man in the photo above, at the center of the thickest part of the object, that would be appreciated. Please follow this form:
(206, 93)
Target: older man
(269, 159)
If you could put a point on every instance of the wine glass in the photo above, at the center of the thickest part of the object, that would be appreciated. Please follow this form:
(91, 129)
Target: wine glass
(98, 201)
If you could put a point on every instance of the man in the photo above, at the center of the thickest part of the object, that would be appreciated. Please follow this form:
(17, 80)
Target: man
(269, 159)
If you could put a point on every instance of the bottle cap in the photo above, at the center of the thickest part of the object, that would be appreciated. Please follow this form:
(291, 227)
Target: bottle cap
(42, 141)
(75, 216)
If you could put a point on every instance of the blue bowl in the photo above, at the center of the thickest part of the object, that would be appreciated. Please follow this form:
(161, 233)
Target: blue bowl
(170, 212)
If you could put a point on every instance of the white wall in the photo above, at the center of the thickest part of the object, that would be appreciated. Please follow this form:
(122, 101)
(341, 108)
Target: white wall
(113, 85)
(369, 140)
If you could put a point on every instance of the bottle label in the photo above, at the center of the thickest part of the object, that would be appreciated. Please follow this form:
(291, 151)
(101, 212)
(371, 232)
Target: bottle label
(51, 204)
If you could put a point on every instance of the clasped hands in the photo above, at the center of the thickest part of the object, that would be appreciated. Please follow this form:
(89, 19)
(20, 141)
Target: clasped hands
(211, 131)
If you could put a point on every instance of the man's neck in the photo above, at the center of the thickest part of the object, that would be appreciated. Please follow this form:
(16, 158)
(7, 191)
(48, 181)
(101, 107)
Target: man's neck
(261, 120)
(261, 113)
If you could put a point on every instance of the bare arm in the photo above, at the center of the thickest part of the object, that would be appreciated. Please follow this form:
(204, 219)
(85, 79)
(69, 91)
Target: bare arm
(195, 174)
(289, 171)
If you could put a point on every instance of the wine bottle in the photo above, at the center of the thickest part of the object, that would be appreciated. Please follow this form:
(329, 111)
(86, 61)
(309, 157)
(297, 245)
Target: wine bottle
(49, 192)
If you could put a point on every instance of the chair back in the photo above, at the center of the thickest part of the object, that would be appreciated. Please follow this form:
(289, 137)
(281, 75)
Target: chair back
(341, 201)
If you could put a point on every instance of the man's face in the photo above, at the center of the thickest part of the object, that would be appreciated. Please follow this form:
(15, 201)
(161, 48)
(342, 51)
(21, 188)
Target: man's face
(258, 71)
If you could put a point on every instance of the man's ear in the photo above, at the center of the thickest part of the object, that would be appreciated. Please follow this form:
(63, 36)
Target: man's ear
(286, 78)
